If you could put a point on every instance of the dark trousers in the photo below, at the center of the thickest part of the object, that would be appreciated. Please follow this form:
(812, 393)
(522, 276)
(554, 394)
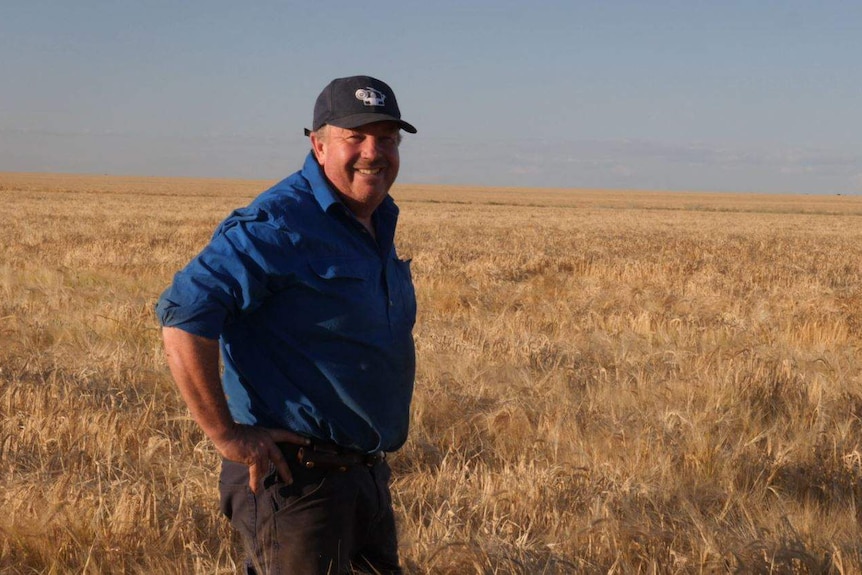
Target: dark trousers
(325, 522)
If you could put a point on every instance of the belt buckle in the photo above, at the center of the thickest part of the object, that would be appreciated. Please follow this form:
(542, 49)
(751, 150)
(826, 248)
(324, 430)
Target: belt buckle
(373, 459)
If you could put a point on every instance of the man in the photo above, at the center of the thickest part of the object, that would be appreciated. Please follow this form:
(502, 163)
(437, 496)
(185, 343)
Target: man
(303, 297)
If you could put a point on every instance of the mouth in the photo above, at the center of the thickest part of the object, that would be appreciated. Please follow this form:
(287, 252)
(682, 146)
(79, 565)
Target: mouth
(370, 171)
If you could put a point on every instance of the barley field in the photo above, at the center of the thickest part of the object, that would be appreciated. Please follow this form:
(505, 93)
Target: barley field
(608, 381)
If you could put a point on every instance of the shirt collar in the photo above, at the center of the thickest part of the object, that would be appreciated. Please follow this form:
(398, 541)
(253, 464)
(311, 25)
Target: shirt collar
(312, 172)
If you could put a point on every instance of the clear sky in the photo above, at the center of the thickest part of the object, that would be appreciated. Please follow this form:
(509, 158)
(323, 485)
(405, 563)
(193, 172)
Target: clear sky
(729, 95)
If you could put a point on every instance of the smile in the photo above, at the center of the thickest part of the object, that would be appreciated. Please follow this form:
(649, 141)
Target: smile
(369, 171)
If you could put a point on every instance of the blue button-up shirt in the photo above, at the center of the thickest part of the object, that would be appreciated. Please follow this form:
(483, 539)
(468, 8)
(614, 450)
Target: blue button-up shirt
(314, 316)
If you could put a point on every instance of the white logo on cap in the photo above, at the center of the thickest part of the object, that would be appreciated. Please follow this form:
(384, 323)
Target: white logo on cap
(370, 96)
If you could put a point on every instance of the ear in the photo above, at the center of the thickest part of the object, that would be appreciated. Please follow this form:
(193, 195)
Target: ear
(318, 146)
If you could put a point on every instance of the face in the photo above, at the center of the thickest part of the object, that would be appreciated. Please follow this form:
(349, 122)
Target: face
(361, 163)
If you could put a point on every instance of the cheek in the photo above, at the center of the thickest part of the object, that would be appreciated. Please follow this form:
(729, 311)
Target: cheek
(334, 155)
(335, 162)
(394, 159)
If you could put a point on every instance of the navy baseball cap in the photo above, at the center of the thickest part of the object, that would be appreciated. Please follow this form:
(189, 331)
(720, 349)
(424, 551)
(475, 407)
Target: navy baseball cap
(356, 101)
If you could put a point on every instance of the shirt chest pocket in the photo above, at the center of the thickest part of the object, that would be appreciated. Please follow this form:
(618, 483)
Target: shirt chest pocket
(340, 269)
(341, 284)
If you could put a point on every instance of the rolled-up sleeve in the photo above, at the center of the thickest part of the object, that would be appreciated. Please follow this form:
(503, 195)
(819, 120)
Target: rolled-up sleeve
(227, 278)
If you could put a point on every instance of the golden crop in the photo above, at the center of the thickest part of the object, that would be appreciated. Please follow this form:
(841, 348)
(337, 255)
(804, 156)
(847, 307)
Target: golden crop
(609, 381)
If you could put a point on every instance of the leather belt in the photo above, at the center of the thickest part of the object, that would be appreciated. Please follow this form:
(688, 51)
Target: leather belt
(329, 457)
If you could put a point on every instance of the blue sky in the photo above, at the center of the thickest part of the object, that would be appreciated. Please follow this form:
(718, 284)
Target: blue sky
(688, 95)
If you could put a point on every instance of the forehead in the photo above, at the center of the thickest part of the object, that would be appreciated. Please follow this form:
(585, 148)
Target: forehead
(384, 128)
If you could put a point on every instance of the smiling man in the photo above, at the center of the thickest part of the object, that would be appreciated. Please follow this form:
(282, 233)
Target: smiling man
(303, 297)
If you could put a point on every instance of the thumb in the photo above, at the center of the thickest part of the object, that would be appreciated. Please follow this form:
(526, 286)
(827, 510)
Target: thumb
(255, 478)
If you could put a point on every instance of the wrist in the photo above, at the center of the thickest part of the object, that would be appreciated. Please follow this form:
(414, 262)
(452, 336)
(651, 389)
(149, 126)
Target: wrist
(223, 433)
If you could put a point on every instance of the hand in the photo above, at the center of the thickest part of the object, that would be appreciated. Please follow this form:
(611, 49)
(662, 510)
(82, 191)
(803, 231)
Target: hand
(256, 447)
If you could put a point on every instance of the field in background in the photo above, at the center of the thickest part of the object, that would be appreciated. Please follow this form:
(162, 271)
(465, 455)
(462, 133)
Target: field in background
(609, 382)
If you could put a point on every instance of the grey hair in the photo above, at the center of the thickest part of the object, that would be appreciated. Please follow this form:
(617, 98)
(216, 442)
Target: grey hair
(321, 132)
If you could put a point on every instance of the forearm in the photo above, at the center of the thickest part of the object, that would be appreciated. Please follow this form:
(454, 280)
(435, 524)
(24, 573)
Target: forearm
(194, 365)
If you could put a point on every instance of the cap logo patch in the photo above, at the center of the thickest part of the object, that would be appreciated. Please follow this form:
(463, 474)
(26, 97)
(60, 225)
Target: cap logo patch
(370, 96)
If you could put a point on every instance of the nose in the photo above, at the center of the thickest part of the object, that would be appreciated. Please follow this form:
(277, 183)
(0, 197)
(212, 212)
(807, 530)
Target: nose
(372, 147)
